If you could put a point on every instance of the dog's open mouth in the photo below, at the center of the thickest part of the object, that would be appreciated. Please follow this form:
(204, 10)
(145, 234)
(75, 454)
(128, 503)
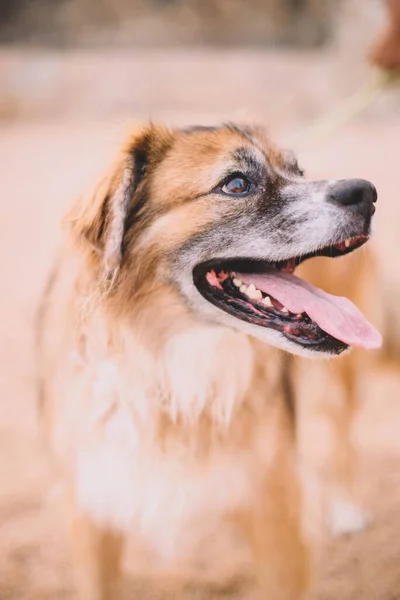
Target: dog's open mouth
(270, 295)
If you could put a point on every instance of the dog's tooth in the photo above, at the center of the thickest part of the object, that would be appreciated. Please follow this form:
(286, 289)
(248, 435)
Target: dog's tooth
(284, 310)
(299, 315)
(267, 301)
(253, 293)
(251, 290)
(347, 242)
(237, 282)
(243, 288)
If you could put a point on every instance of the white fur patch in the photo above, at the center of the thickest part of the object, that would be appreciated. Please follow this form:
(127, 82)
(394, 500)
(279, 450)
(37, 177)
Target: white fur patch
(346, 517)
(125, 478)
(159, 496)
(103, 487)
(219, 377)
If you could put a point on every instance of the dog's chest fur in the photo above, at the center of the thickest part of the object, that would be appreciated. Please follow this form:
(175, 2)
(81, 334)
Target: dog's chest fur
(163, 443)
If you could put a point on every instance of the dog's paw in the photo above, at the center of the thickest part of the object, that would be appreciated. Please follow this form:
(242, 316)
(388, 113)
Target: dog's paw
(346, 517)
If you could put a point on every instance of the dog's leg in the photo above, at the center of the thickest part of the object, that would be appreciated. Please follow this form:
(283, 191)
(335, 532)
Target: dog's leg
(329, 405)
(345, 515)
(280, 553)
(273, 528)
(98, 557)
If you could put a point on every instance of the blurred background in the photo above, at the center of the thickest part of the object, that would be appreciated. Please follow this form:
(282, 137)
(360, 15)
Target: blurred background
(73, 75)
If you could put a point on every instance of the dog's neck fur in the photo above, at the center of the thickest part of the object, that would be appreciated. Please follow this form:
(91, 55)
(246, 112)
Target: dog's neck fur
(159, 371)
(199, 407)
(204, 370)
(200, 371)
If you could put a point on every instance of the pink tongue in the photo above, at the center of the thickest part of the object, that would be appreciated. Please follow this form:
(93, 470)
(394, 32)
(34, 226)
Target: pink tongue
(335, 315)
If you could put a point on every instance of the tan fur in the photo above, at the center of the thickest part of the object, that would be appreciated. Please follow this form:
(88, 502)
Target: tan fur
(163, 426)
(98, 559)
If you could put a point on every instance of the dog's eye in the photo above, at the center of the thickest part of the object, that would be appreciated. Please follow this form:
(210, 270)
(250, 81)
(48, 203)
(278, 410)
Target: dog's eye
(236, 185)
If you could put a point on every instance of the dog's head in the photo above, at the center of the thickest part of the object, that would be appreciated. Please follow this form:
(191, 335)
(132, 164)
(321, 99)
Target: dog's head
(215, 220)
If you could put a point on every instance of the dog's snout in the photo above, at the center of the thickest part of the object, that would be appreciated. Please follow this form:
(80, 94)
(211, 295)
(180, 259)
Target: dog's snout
(356, 194)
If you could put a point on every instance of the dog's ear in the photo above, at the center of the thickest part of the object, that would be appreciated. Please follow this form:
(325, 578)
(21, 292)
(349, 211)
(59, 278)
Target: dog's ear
(98, 218)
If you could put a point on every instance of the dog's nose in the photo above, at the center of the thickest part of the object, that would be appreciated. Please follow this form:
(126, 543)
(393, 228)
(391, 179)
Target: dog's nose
(358, 195)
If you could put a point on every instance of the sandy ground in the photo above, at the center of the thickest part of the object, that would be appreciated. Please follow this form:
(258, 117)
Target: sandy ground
(44, 163)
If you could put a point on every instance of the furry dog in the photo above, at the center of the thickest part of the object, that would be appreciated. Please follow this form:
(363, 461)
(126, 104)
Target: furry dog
(162, 391)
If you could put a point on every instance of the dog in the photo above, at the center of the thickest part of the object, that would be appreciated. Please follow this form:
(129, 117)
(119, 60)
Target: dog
(160, 337)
